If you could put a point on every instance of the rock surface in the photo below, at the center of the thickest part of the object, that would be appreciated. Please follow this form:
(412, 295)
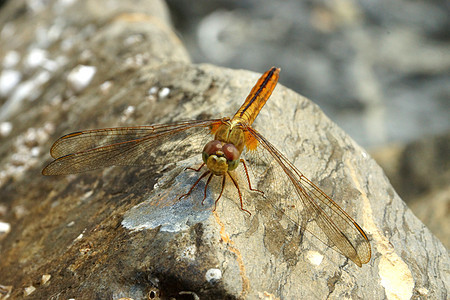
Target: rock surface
(420, 171)
(88, 235)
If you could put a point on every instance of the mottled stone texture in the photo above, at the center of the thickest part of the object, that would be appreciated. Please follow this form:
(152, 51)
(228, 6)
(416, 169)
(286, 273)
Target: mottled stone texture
(71, 227)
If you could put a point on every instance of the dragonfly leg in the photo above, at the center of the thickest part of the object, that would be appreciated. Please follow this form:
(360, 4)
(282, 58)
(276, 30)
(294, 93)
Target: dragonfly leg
(248, 178)
(239, 192)
(196, 170)
(194, 185)
(206, 187)
(221, 192)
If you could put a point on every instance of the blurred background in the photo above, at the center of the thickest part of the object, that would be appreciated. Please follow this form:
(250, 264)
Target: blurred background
(379, 69)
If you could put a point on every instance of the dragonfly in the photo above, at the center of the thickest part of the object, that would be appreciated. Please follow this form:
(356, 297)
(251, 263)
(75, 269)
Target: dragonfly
(232, 144)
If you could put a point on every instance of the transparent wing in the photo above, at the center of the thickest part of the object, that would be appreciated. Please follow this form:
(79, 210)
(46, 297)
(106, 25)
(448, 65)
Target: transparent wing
(127, 146)
(303, 203)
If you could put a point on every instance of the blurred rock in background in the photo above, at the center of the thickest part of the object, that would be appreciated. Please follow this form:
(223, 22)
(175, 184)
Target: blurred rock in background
(420, 171)
(379, 69)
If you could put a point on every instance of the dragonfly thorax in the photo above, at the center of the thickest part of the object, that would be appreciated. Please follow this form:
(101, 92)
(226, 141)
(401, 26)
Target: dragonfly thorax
(231, 133)
(220, 157)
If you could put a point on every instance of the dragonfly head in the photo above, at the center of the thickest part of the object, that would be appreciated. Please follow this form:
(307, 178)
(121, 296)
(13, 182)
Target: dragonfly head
(220, 157)
(231, 133)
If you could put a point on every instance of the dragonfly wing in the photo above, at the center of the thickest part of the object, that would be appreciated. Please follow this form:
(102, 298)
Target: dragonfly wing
(89, 139)
(303, 203)
(128, 146)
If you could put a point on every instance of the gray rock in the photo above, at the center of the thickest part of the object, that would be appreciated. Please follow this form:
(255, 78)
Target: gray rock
(420, 173)
(90, 231)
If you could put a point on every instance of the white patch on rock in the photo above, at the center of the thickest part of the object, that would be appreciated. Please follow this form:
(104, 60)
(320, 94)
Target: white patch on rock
(5, 128)
(8, 81)
(80, 77)
(314, 257)
(213, 275)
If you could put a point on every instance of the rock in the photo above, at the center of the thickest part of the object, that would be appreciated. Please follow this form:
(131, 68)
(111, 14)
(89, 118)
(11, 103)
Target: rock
(420, 173)
(76, 228)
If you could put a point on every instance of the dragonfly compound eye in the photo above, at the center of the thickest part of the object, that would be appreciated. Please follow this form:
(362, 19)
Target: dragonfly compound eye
(230, 152)
(205, 157)
(233, 164)
(212, 147)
